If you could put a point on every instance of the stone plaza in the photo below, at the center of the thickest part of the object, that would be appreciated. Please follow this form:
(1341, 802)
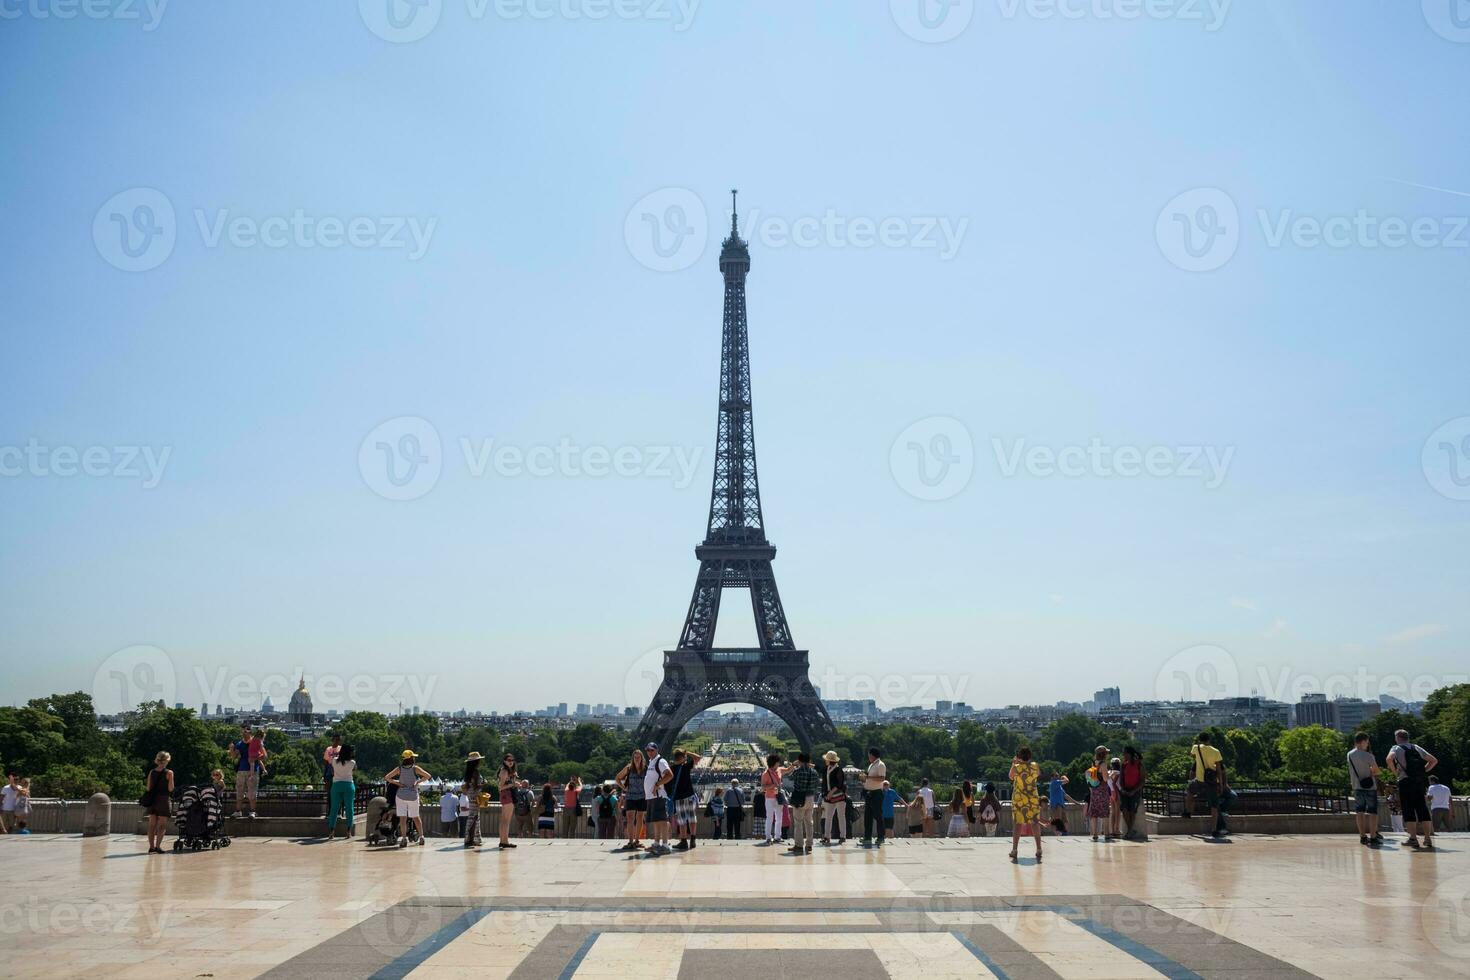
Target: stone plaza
(1254, 906)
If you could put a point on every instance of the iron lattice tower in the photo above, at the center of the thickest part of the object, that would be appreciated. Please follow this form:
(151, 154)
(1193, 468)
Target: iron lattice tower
(735, 554)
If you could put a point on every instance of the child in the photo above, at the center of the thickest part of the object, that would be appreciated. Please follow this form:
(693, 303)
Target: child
(989, 815)
(257, 750)
(1115, 814)
(23, 805)
(1057, 800)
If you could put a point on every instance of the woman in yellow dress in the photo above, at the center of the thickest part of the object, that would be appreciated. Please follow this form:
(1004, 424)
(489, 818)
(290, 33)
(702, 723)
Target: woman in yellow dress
(1025, 801)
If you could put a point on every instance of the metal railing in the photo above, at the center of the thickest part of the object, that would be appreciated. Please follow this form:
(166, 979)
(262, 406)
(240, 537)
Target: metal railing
(1249, 796)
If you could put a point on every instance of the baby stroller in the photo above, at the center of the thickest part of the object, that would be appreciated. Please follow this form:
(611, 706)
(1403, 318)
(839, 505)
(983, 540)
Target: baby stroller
(383, 824)
(200, 820)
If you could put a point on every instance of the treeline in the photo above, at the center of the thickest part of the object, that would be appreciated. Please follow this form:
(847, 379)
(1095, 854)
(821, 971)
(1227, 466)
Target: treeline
(55, 740)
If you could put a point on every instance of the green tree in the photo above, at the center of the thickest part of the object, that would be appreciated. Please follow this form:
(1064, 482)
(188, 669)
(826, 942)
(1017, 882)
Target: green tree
(1447, 730)
(1312, 753)
(70, 782)
(941, 771)
(1071, 736)
(176, 731)
(1248, 753)
(31, 740)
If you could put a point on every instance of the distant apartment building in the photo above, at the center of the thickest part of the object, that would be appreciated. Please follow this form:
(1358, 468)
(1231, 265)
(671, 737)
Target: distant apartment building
(1108, 697)
(1344, 715)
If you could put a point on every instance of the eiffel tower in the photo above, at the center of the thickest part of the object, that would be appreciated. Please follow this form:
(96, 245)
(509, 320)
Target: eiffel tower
(735, 555)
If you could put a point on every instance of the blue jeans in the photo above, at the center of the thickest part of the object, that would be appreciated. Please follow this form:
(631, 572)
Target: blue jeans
(341, 799)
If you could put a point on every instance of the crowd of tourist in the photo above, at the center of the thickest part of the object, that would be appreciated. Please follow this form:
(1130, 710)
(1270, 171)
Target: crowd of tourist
(655, 804)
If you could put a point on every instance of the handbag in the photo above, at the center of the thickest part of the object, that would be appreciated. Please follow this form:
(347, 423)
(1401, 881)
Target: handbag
(146, 800)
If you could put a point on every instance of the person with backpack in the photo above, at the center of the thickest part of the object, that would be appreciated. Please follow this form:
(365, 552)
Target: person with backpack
(405, 781)
(606, 803)
(1411, 765)
(1099, 798)
(1363, 774)
(734, 810)
(805, 785)
(987, 816)
(655, 787)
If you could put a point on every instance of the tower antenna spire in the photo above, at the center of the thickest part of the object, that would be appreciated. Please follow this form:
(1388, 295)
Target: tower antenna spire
(734, 214)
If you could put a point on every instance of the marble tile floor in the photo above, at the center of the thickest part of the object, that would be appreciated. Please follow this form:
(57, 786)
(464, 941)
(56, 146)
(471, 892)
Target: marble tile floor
(1274, 907)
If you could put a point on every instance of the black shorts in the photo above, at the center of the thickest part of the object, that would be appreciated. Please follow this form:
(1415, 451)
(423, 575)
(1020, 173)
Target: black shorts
(637, 806)
(1411, 797)
(1129, 804)
(658, 810)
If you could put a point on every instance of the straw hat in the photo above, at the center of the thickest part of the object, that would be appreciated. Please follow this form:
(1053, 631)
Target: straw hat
(829, 756)
(473, 757)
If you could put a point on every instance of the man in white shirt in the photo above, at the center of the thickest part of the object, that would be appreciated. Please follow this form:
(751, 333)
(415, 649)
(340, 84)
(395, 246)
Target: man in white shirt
(655, 781)
(9, 797)
(1438, 796)
(449, 812)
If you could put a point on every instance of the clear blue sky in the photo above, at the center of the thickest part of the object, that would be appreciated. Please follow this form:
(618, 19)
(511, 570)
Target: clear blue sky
(533, 316)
